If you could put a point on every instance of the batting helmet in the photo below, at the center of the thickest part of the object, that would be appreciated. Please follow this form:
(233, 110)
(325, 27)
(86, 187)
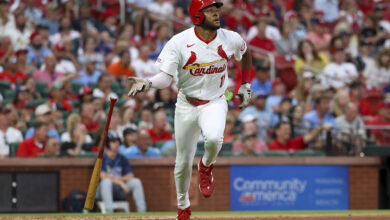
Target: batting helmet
(197, 5)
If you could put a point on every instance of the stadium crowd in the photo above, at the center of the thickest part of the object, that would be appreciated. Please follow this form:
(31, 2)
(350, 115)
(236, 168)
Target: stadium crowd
(321, 69)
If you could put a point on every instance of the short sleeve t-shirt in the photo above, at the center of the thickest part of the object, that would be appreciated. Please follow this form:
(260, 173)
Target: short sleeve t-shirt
(292, 144)
(117, 167)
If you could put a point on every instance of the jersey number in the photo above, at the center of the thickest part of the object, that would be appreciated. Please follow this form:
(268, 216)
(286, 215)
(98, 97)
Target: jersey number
(222, 80)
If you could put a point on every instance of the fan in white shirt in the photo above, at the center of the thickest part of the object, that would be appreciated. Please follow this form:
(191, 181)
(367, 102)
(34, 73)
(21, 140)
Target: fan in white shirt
(338, 73)
(143, 65)
(8, 134)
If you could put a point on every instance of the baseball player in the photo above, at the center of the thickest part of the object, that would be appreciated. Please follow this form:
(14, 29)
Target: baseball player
(199, 58)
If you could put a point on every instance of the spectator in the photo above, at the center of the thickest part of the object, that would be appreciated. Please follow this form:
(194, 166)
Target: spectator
(142, 149)
(33, 14)
(379, 75)
(85, 94)
(320, 115)
(287, 44)
(11, 73)
(103, 89)
(8, 134)
(43, 114)
(282, 112)
(22, 65)
(122, 67)
(350, 123)
(78, 136)
(340, 103)
(58, 102)
(48, 74)
(303, 90)
(6, 48)
(338, 73)
(65, 31)
(52, 148)
(117, 177)
(89, 74)
(22, 96)
(238, 20)
(160, 126)
(87, 113)
(278, 92)
(144, 66)
(283, 140)
(259, 111)
(309, 59)
(66, 61)
(381, 136)
(356, 90)
(299, 126)
(330, 9)
(162, 37)
(260, 41)
(351, 13)
(99, 106)
(20, 33)
(318, 36)
(35, 145)
(146, 121)
(89, 55)
(160, 10)
(127, 117)
(129, 138)
(30, 85)
(249, 127)
(109, 23)
(165, 98)
(85, 20)
(261, 83)
(248, 143)
(228, 135)
(51, 18)
(7, 20)
(369, 67)
(36, 51)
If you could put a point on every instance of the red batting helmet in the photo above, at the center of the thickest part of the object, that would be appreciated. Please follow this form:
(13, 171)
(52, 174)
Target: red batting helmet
(197, 5)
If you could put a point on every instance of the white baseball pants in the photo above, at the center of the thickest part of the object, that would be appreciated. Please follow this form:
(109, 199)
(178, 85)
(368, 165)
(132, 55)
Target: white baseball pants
(190, 120)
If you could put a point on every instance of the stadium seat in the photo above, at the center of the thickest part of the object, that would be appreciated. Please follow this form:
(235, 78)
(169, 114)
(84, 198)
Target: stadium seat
(8, 94)
(309, 153)
(35, 103)
(76, 86)
(87, 154)
(159, 144)
(123, 205)
(5, 85)
(42, 88)
(274, 153)
(87, 146)
(13, 147)
(93, 85)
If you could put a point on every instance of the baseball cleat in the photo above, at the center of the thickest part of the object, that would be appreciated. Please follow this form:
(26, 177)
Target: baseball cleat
(206, 180)
(183, 214)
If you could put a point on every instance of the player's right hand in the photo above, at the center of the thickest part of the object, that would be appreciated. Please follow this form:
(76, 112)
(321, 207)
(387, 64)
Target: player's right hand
(138, 85)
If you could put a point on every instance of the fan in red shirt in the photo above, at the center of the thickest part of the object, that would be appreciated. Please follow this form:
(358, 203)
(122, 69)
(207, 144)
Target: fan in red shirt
(87, 114)
(58, 100)
(158, 132)
(35, 145)
(381, 136)
(260, 41)
(11, 73)
(284, 142)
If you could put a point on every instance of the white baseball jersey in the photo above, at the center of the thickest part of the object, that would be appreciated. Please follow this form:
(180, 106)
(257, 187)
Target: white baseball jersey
(201, 67)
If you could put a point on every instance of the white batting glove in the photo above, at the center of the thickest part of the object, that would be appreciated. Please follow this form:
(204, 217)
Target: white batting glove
(138, 85)
(244, 93)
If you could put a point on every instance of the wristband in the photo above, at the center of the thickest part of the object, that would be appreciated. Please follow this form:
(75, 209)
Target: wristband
(246, 76)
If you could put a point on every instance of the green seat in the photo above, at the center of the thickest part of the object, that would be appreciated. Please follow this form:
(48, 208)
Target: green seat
(115, 86)
(75, 103)
(375, 150)
(159, 144)
(227, 154)
(227, 146)
(309, 153)
(87, 146)
(93, 85)
(7, 101)
(87, 154)
(5, 85)
(13, 147)
(30, 123)
(35, 103)
(8, 94)
(76, 86)
(274, 153)
(42, 88)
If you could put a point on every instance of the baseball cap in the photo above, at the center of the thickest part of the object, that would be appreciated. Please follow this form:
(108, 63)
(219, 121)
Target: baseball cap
(276, 82)
(108, 13)
(248, 118)
(20, 52)
(34, 35)
(317, 21)
(42, 109)
(129, 131)
(366, 42)
(307, 74)
(85, 90)
(112, 136)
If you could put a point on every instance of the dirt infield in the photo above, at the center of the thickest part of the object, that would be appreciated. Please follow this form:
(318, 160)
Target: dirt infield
(357, 216)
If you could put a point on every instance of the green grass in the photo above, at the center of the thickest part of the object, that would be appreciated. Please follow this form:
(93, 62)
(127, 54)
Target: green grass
(200, 213)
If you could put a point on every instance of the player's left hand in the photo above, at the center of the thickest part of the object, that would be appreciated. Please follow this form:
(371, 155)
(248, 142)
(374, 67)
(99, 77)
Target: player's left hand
(138, 85)
(244, 93)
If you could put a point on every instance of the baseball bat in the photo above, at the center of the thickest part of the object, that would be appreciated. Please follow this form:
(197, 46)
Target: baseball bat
(93, 184)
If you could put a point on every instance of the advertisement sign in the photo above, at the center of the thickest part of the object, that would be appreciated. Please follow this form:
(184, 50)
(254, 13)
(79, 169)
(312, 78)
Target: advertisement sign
(288, 187)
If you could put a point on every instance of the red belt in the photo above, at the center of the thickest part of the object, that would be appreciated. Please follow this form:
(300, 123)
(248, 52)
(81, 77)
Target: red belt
(197, 102)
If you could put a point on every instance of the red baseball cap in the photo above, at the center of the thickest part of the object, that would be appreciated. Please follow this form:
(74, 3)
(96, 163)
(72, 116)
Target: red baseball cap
(276, 82)
(85, 90)
(59, 47)
(33, 35)
(20, 52)
(108, 13)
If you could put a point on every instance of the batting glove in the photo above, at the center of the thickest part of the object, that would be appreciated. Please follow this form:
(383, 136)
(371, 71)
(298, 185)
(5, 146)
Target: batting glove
(138, 85)
(244, 93)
